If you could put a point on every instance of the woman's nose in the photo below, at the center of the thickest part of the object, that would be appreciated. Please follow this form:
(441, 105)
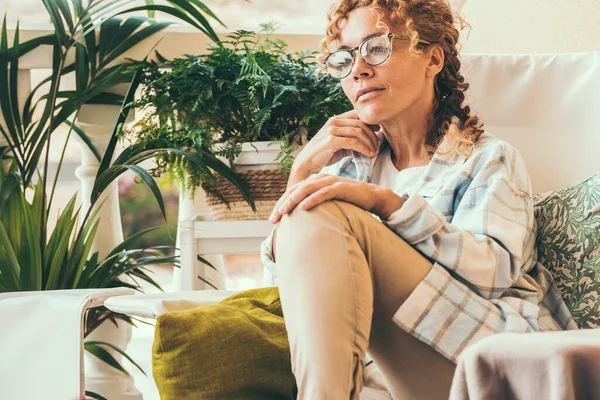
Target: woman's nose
(361, 69)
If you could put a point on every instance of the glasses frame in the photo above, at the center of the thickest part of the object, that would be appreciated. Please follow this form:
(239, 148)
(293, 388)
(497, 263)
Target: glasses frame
(360, 47)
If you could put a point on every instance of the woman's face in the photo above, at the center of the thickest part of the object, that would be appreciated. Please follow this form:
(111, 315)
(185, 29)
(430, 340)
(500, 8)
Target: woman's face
(403, 83)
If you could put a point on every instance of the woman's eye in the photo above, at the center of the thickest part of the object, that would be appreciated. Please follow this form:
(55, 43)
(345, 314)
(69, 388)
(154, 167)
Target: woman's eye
(377, 50)
(342, 63)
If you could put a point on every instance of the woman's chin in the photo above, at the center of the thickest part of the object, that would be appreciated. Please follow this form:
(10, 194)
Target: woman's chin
(369, 115)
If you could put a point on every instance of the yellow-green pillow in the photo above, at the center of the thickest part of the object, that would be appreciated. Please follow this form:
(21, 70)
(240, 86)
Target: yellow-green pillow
(235, 349)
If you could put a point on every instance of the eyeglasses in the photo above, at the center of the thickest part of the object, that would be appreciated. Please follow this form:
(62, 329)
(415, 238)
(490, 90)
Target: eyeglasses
(374, 50)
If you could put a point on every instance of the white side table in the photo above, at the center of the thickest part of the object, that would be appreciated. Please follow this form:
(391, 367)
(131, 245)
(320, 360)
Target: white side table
(201, 235)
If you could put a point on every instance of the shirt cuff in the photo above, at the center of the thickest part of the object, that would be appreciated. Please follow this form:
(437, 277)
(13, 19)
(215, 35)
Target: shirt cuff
(266, 254)
(416, 220)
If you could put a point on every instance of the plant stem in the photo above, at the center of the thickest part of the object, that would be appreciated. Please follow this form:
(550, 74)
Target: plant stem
(52, 99)
(62, 156)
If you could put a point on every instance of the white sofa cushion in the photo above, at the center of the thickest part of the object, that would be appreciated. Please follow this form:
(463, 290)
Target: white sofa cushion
(546, 105)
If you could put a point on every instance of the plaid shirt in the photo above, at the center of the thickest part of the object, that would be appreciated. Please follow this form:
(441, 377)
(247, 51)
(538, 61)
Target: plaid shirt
(473, 217)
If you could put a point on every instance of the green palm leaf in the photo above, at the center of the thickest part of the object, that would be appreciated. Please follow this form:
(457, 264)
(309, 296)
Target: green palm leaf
(31, 254)
(202, 25)
(94, 395)
(10, 269)
(84, 138)
(96, 350)
(94, 343)
(7, 57)
(127, 40)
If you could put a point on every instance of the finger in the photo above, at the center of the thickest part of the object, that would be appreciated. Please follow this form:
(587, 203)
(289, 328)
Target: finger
(366, 132)
(351, 143)
(348, 114)
(276, 214)
(306, 190)
(320, 196)
(300, 194)
(284, 199)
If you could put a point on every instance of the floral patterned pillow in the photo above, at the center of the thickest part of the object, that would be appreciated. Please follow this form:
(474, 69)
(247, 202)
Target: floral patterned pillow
(568, 240)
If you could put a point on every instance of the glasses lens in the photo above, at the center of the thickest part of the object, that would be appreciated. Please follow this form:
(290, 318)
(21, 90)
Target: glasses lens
(376, 50)
(339, 64)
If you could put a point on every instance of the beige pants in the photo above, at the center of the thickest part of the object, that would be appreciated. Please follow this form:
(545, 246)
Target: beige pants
(342, 275)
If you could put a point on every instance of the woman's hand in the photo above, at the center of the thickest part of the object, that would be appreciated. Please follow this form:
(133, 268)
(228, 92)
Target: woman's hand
(336, 140)
(322, 187)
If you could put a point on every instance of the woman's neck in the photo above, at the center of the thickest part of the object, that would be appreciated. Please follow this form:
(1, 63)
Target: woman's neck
(407, 141)
(406, 132)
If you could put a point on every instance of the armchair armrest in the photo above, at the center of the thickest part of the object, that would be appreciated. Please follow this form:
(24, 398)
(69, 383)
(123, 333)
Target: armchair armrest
(153, 305)
(541, 365)
(41, 341)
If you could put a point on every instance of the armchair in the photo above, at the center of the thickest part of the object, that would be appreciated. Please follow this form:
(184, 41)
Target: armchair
(545, 105)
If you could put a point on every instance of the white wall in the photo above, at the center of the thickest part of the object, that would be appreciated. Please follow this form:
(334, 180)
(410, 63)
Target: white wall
(532, 26)
(507, 26)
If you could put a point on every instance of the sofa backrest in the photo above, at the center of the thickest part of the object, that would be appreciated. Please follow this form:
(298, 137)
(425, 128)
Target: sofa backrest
(547, 106)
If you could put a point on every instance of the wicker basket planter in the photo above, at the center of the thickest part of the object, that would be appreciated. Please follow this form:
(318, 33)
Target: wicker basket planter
(257, 166)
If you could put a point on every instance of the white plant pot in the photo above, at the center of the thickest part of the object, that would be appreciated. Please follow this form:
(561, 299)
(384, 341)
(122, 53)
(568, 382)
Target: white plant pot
(257, 155)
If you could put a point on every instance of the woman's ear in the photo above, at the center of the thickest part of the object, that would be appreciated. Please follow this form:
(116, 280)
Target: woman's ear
(436, 61)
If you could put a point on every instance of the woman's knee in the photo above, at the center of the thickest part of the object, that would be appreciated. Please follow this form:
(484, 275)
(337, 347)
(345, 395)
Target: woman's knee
(315, 231)
(331, 210)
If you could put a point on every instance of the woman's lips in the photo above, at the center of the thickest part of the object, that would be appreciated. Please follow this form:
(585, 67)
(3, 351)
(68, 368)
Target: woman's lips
(368, 94)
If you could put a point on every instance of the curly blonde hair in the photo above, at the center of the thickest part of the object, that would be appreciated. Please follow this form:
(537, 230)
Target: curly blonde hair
(433, 21)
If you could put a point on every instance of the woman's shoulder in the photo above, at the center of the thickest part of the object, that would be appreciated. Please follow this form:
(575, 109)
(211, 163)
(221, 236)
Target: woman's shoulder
(491, 149)
(495, 156)
(491, 145)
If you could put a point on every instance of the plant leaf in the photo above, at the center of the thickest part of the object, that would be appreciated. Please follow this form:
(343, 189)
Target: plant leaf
(107, 30)
(57, 248)
(125, 244)
(207, 10)
(118, 350)
(53, 10)
(9, 265)
(84, 138)
(110, 149)
(80, 255)
(63, 6)
(82, 67)
(114, 171)
(7, 58)
(94, 395)
(93, 348)
(14, 79)
(31, 276)
(107, 98)
(127, 43)
(206, 29)
(7, 189)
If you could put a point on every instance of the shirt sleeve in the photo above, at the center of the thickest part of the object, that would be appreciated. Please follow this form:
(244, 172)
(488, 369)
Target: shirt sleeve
(487, 240)
(266, 254)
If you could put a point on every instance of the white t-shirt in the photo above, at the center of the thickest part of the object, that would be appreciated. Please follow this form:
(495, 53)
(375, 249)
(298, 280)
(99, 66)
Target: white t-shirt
(385, 174)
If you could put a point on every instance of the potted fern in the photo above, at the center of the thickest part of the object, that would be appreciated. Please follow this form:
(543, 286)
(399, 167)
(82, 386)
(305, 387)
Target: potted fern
(250, 102)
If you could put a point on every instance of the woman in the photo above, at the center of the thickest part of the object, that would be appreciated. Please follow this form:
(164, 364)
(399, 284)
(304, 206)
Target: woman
(450, 258)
